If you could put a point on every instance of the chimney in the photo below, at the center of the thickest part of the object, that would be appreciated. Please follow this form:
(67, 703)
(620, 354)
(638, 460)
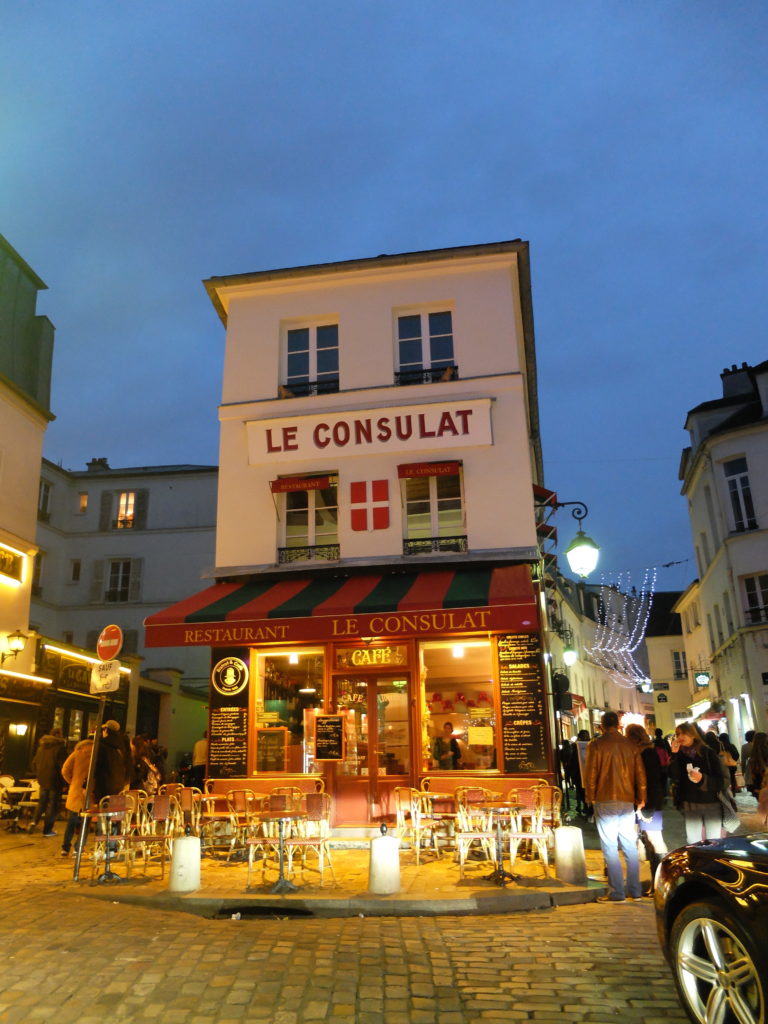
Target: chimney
(737, 381)
(96, 465)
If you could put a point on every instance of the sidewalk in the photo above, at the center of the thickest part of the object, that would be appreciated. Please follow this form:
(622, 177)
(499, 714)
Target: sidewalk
(434, 888)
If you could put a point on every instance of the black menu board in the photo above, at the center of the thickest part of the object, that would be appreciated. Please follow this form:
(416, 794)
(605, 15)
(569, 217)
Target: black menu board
(272, 749)
(228, 721)
(329, 738)
(522, 703)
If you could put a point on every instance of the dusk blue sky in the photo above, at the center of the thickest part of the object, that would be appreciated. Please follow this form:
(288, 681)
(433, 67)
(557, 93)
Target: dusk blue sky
(146, 146)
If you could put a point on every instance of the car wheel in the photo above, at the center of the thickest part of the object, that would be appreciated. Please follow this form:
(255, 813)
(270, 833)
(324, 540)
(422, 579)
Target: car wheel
(720, 976)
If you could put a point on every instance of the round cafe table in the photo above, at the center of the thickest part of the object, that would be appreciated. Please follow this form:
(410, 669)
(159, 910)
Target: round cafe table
(500, 809)
(283, 884)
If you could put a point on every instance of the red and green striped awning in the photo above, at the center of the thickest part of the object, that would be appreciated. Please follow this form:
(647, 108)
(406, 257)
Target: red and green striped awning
(429, 603)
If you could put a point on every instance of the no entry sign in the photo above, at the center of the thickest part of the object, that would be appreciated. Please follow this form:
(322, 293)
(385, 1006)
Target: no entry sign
(110, 643)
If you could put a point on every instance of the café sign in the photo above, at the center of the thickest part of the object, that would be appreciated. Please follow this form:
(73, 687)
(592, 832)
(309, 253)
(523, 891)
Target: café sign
(371, 657)
(11, 563)
(387, 429)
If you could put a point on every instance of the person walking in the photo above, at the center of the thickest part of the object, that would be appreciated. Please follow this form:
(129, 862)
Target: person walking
(696, 773)
(615, 785)
(729, 755)
(650, 820)
(47, 768)
(746, 750)
(75, 774)
(758, 763)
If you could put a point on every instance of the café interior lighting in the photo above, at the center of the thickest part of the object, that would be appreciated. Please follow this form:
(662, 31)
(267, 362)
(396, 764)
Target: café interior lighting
(15, 643)
(293, 659)
(19, 728)
(458, 651)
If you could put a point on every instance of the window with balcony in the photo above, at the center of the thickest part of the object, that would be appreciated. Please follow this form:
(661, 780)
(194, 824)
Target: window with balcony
(310, 517)
(425, 348)
(116, 580)
(740, 494)
(433, 503)
(124, 510)
(756, 598)
(311, 360)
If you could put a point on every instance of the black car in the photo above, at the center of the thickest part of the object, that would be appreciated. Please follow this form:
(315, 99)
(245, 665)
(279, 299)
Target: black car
(712, 919)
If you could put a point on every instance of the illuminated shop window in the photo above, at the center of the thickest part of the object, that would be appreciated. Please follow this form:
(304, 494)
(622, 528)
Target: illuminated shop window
(291, 685)
(457, 689)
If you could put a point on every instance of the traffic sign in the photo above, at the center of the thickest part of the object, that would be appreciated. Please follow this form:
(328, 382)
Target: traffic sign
(110, 643)
(105, 677)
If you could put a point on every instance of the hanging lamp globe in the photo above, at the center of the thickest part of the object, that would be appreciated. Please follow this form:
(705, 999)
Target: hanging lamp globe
(582, 554)
(570, 656)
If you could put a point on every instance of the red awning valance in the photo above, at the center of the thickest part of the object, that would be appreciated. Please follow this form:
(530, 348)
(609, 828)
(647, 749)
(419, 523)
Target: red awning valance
(293, 610)
(299, 483)
(411, 469)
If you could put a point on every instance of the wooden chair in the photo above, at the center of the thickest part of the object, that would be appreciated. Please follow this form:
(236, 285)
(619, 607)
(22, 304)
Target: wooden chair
(314, 834)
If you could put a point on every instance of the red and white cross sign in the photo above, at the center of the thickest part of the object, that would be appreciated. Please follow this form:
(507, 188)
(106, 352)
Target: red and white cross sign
(369, 504)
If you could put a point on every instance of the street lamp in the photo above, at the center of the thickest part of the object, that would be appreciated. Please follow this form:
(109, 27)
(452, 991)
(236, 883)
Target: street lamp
(582, 553)
(15, 642)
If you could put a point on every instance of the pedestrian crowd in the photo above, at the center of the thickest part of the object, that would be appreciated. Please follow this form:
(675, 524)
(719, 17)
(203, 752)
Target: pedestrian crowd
(621, 779)
(122, 763)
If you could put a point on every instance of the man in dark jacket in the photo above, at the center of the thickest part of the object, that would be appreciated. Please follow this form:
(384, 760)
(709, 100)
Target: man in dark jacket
(615, 784)
(114, 762)
(47, 768)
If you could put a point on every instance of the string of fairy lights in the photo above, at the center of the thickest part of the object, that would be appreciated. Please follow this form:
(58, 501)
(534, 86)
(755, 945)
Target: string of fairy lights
(623, 614)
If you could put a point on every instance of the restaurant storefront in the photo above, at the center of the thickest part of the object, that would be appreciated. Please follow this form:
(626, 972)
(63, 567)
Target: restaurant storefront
(355, 679)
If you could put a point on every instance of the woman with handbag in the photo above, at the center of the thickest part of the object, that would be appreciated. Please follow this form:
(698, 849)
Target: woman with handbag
(695, 772)
(729, 755)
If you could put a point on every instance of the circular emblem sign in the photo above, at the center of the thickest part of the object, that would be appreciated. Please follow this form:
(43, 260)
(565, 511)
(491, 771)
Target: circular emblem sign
(110, 643)
(229, 676)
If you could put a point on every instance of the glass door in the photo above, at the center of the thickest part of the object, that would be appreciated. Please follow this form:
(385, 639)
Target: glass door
(378, 746)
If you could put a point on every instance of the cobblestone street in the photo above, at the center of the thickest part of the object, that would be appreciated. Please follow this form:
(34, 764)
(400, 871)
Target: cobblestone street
(78, 959)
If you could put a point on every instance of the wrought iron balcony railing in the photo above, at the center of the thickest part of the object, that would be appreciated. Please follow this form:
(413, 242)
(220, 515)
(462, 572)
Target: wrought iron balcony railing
(316, 553)
(299, 389)
(427, 376)
(756, 615)
(428, 545)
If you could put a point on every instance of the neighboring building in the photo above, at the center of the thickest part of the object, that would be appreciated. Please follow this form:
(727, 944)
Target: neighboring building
(574, 616)
(115, 545)
(26, 352)
(667, 660)
(725, 480)
(376, 534)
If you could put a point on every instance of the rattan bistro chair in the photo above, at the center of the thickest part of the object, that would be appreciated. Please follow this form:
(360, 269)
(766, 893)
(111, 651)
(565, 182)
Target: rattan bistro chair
(314, 834)
(413, 819)
(155, 836)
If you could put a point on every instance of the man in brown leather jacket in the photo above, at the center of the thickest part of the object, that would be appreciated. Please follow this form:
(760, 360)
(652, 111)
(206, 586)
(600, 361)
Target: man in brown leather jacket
(615, 785)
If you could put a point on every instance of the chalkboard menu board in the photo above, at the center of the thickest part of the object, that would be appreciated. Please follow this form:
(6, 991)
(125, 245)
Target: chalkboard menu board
(522, 703)
(272, 749)
(228, 726)
(329, 738)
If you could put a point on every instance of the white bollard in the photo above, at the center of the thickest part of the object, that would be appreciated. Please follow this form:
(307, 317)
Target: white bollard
(384, 864)
(570, 863)
(185, 864)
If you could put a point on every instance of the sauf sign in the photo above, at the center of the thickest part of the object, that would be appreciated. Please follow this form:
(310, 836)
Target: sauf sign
(360, 432)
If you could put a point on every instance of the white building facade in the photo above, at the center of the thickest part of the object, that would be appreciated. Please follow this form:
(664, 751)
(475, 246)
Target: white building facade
(376, 532)
(724, 477)
(114, 546)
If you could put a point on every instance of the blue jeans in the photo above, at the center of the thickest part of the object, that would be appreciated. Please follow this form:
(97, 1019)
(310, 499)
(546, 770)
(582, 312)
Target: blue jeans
(617, 830)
